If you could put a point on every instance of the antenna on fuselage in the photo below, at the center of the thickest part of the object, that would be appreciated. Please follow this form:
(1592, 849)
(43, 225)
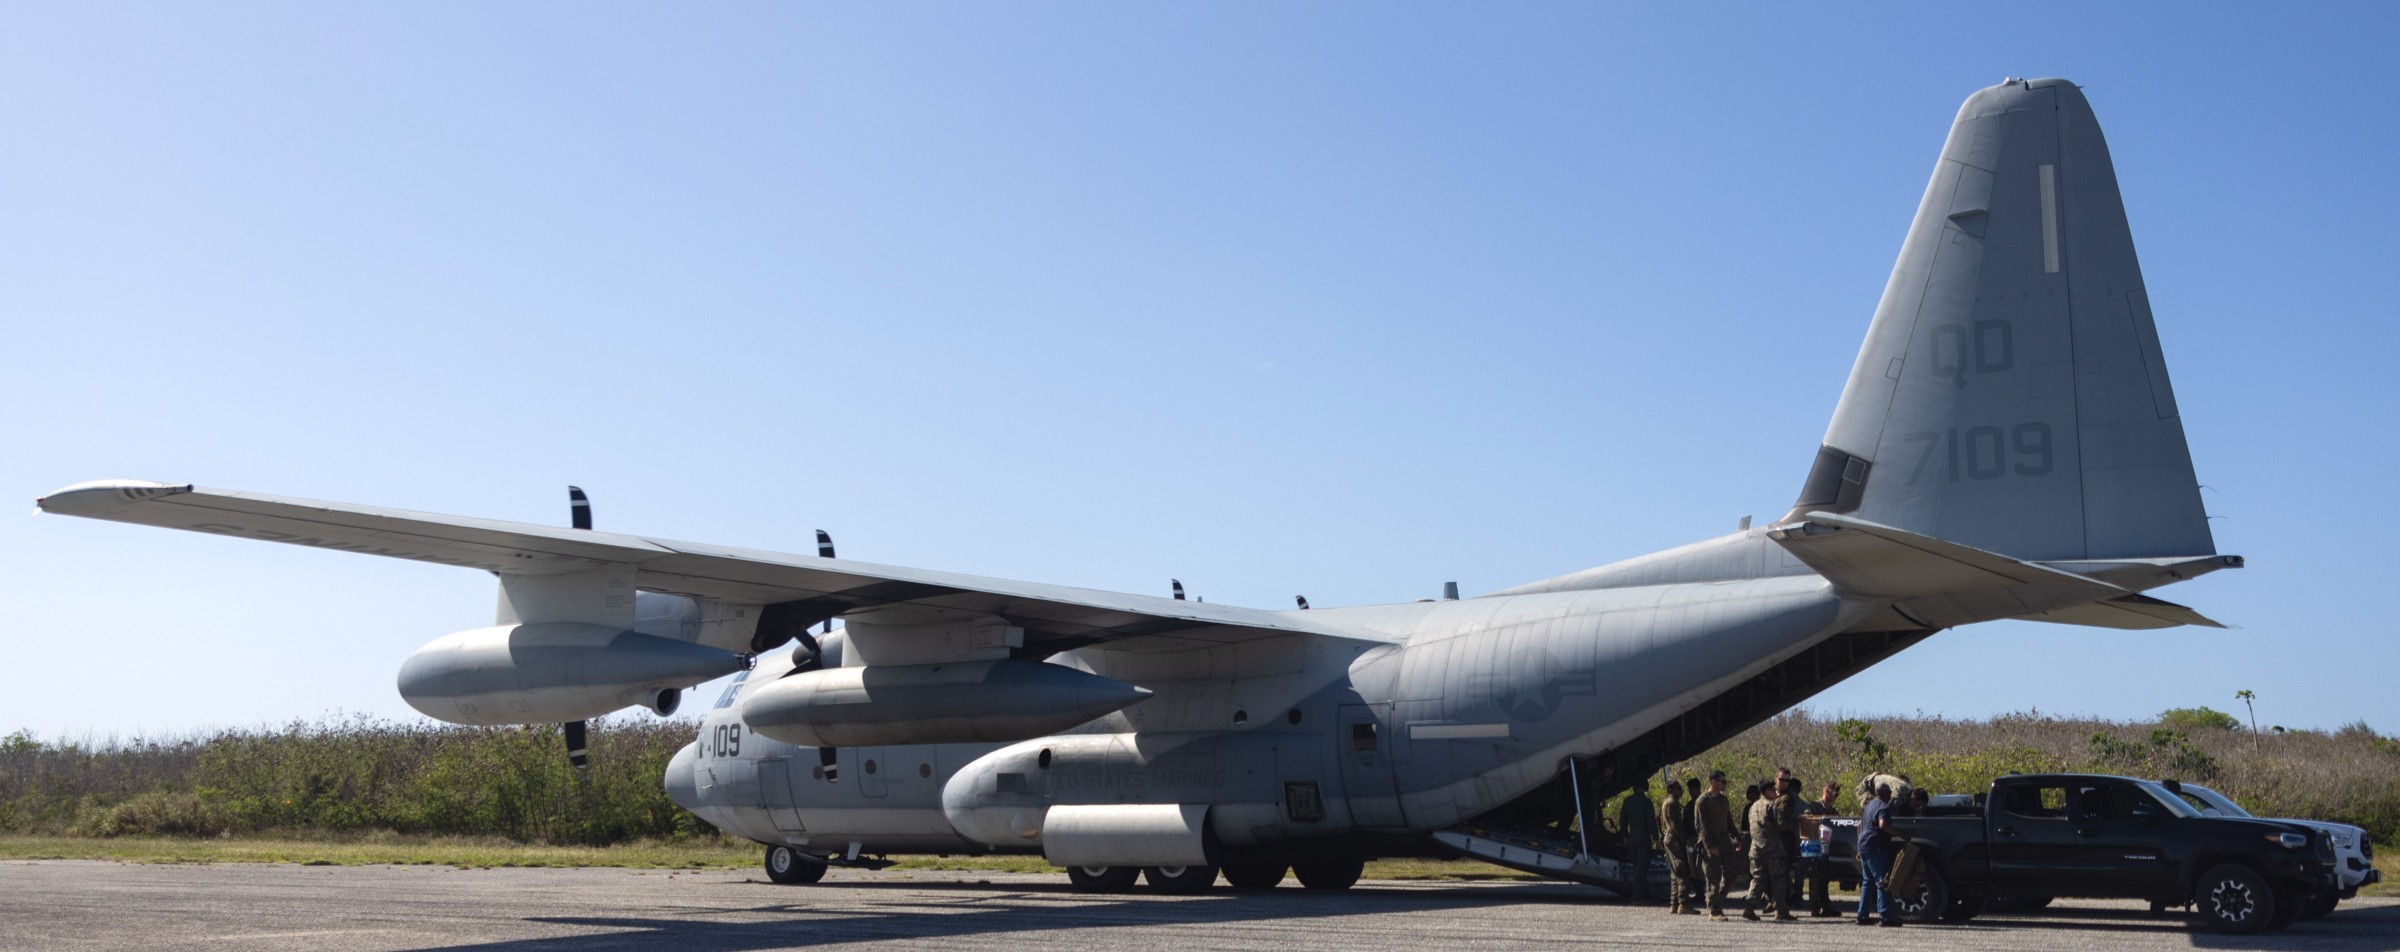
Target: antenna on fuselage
(1178, 583)
(1449, 591)
(1303, 600)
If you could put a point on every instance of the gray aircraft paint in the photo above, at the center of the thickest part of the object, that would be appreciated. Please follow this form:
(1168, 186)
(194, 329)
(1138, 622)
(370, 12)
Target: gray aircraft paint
(2007, 446)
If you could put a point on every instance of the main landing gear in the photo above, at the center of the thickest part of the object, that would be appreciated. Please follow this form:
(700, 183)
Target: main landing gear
(1322, 876)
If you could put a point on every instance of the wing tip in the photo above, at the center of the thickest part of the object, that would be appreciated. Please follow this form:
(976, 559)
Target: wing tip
(82, 496)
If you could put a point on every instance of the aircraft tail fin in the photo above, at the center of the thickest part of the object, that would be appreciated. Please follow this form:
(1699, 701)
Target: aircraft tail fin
(2011, 395)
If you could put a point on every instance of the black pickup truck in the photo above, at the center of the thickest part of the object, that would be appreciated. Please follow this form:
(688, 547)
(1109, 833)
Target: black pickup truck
(2042, 835)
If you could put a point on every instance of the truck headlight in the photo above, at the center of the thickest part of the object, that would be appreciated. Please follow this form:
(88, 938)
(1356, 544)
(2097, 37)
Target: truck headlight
(2289, 841)
(2341, 839)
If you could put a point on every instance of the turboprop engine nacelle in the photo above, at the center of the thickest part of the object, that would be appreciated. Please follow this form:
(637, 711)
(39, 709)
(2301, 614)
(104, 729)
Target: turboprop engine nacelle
(959, 702)
(554, 672)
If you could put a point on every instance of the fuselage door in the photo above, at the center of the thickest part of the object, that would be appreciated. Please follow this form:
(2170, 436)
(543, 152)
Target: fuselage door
(873, 771)
(775, 790)
(1369, 741)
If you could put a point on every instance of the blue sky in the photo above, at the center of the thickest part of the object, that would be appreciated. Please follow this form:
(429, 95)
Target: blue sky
(1337, 299)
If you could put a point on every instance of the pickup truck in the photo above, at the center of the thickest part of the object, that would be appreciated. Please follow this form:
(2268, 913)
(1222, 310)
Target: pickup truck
(2092, 835)
(2353, 849)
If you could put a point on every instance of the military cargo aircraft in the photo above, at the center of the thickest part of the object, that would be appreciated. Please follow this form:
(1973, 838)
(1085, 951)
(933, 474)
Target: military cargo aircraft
(2007, 446)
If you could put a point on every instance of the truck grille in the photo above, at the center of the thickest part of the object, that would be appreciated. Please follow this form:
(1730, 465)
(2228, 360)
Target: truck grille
(2325, 848)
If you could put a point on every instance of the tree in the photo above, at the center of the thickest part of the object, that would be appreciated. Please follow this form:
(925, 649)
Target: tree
(2195, 718)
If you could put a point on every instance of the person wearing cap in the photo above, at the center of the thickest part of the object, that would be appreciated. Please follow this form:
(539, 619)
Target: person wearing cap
(1675, 833)
(1714, 816)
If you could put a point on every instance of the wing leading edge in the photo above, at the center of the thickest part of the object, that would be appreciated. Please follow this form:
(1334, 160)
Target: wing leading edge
(1060, 616)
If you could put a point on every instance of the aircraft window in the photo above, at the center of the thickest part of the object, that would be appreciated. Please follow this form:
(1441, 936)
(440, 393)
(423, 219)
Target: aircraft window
(2040, 803)
(1241, 717)
(870, 766)
(925, 770)
(1292, 716)
(1362, 736)
(732, 690)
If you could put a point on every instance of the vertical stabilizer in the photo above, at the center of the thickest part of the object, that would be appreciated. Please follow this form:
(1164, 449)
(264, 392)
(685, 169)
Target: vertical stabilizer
(2011, 395)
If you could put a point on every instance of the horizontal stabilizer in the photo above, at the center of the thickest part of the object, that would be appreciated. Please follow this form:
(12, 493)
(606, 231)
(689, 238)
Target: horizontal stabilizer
(1863, 558)
(1943, 584)
(2132, 612)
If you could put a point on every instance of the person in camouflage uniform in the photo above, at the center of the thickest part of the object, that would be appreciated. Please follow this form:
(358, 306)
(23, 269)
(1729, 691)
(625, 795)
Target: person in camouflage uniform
(1638, 820)
(1770, 868)
(1714, 817)
(1675, 833)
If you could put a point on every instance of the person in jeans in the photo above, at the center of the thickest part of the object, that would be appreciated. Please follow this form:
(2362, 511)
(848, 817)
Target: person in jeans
(1875, 858)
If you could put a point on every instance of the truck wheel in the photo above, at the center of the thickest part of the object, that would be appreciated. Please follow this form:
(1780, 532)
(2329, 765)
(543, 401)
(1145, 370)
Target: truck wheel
(1252, 876)
(789, 867)
(1330, 875)
(2287, 910)
(1102, 879)
(1181, 880)
(1963, 908)
(2234, 898)
(2319, 906)
(1932, 898)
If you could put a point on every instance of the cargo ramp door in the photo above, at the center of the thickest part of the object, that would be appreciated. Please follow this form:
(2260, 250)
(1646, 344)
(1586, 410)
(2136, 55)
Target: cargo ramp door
(1547, 851)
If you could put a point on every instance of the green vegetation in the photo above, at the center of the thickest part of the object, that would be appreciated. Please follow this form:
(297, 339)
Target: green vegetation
(2198, 718)
(366, 791)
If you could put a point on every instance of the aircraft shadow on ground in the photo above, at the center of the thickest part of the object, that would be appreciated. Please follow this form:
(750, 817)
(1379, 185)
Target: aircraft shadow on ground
(997, 908)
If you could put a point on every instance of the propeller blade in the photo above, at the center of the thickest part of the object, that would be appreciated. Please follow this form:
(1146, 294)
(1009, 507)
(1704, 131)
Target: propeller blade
(575, 751)
(579, 508)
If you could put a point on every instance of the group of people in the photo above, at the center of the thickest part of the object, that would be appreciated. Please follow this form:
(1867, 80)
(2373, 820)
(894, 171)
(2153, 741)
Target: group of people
(1706, 840)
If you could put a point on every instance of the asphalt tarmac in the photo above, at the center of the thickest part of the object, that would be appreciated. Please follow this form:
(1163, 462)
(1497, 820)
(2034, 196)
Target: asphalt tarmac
(99, 905)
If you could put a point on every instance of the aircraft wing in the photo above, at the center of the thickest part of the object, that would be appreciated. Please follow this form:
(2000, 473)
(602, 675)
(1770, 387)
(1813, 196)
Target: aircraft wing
(812, 587)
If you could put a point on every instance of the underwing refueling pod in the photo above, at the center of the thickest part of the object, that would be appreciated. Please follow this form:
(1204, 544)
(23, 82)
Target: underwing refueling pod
(2008, 445)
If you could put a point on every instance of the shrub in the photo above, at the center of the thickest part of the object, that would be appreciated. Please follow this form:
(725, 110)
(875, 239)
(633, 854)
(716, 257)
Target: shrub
(2198, 718)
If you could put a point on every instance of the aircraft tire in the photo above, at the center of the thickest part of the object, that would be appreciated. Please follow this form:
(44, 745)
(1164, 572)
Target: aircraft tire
(1180, 880)
(1330, 875)
(2234, 898)
(790, 867)
(1102, 879)
(1254, 876)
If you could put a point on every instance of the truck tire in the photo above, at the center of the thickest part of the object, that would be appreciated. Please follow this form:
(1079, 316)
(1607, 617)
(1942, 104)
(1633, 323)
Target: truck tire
(1330, 875)
(2234, 898)
(1964, 907)
(1181, 880)
(2287, 910)
(1930, 902)
(789, 867)
(1103, 879)
(1254, 876)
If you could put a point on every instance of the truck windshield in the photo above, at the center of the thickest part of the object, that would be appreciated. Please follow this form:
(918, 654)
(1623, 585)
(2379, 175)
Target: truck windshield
(2174, 805)
(2215, 801)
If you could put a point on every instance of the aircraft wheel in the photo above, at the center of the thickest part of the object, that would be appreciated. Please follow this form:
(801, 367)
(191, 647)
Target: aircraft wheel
(1103, 879)
(790, 867)
(1253, 876)
(2320, 905)
(1180, 879)
(1330, 875)
(2234, 898)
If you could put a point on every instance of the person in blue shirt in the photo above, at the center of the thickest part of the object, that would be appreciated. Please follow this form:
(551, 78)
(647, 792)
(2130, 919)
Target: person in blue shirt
(1875, 859)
